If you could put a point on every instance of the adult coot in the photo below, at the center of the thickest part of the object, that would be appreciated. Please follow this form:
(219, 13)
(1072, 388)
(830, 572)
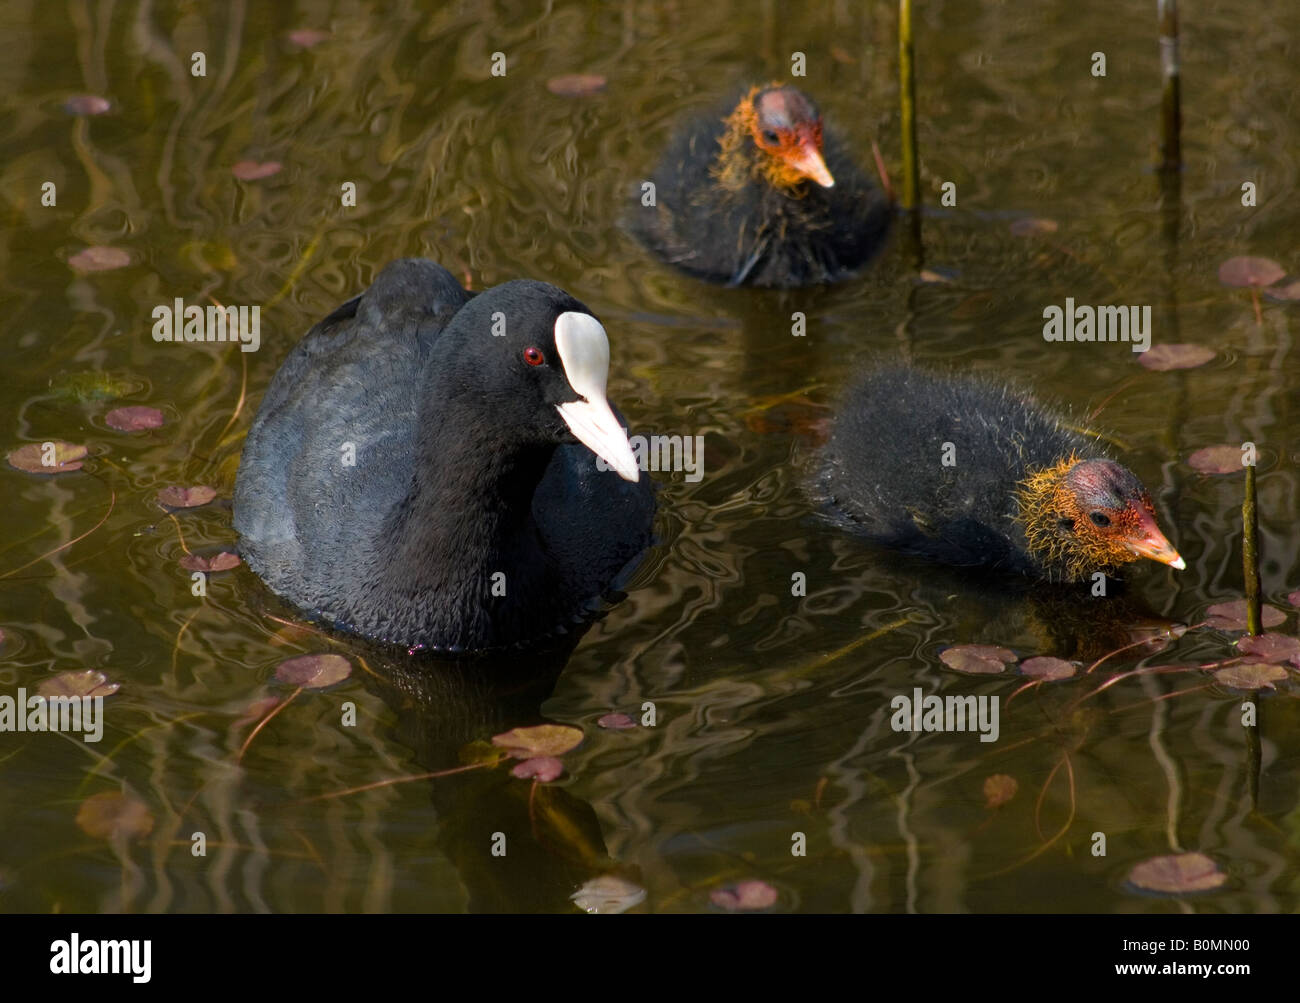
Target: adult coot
(970, 472)
(762, 196)
(423, 467)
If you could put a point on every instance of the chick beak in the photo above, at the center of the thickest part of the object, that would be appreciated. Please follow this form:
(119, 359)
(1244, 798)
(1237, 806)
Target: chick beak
(1148, 541)
(807, 160)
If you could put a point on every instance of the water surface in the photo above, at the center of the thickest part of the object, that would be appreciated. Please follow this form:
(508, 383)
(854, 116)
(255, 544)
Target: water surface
(772, 709)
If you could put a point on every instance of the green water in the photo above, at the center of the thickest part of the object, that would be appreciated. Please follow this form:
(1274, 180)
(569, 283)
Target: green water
(772, 710)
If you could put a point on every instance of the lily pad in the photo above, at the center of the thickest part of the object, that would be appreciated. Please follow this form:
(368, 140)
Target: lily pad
(255, 711)
(977, 659)
(1155, 637)
(1221, 459)
(1251, 676)
(99, 259)
(222, 561)
(608, 895)
(176, 496)
(314, 672)
(134, 418)
(539, 740)
(112, 815)
(91, 385)
(1047, 669)
(1160, 358)
(543, 768)
(745, 896)
(87, 683)
(999, 789)
(576, 85)
(1232, 616)
(1270, 647)
(1248, 271)
(253, 170)
(479, 752)
(65, 457)
(1032, 226)
(616, 722)
(306, 38)
(87, 104)
(1177, 874)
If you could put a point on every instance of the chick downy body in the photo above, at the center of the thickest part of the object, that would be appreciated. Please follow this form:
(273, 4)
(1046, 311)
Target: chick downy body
(971, 472)
(763, 195)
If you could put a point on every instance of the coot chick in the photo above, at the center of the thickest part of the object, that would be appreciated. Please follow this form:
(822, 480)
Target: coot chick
(970, 472)
(763, 196)
(422, 469)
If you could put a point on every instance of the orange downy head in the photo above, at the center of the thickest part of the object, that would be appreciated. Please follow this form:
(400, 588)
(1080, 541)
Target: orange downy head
(785, 129)
(1084, 515)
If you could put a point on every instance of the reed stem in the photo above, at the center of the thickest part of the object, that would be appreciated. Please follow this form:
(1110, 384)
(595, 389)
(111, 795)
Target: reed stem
(1250, 555)
(907, 101)
(1171, 116)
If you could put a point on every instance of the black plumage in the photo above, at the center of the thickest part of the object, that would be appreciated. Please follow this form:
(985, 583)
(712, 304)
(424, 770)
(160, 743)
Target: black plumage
(464, 470)
(719, 215)
(971, 472)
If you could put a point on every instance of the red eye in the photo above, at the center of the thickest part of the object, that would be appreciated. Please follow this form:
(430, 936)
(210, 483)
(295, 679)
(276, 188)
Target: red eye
(533, 356)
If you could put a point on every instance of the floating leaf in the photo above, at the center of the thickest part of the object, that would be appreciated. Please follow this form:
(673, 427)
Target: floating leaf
(1160, 358)
(608, 895)
(1252, 676)
(744, 897)
(134, 419)
(977, 659)
(576, 85)
(293, 635)
(543, 768)
(1232, 616)
(975, 305)
(1031, 226)
(1047, 669)
(539, 740)
(314, 672)
(91, 386)
(66, 457)
(480, 752)
(1247, 271)
(799, 416)
(222, 561)
(1155, 637)
(87, 104)
(1270, 647)
(1177, 874)
(1221, 459)
(252, 170)
(306, 38)
(616, 722)
(87, 683)
(999, 789)
(998, 654)
(112, 815)
(255, 711)
(99, 259)
(176, 496)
